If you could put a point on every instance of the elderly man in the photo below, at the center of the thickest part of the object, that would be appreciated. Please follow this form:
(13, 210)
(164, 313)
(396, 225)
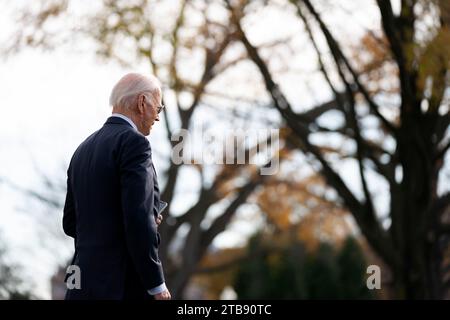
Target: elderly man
(112, 206)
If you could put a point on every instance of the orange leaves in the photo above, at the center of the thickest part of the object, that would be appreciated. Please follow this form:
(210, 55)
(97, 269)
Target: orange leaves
(376, 50)
(372, 57)
(434, 63)
(213, 283)
(301, 209)
(319, 227)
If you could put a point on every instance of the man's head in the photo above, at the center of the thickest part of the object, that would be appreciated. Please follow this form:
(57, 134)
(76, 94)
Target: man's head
(139, 98)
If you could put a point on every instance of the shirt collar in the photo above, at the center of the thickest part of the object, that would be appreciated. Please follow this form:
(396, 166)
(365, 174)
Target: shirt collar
(119, 115)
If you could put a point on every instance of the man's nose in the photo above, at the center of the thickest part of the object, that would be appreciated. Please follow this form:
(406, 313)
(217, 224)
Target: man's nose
(157, 117)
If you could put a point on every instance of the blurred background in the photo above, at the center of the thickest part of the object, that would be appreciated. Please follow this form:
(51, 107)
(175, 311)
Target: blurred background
(359, 91)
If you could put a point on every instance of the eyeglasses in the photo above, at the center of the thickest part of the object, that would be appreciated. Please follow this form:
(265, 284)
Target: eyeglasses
(159, 108)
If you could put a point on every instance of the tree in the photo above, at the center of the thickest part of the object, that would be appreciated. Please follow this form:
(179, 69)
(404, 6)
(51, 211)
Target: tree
(305, 248)
(407, 149)
(352, 271)
(301, 207)
(417, 126)
(11, 285)
(275, 272)
(292, 272)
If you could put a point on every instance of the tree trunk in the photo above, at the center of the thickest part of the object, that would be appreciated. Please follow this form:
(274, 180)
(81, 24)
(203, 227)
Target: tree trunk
(418, 250)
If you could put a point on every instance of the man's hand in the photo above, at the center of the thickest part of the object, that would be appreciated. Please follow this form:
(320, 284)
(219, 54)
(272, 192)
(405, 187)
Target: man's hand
(159, 219)
(165, 295)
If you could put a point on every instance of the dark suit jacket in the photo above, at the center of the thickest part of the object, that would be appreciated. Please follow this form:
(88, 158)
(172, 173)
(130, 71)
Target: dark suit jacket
(111, 204)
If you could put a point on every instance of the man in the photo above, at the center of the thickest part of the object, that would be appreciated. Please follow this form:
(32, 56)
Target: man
(112, 205)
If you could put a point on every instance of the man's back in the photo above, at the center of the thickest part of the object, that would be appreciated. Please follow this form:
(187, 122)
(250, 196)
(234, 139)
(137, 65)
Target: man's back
(109, 210)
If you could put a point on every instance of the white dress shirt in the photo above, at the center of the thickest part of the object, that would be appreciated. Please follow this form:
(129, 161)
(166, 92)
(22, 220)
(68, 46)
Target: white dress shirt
(162, 287)
(119, 115)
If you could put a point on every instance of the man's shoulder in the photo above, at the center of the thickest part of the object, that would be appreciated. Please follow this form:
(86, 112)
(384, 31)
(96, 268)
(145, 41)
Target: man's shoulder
(121, 134)
(121, 139)
(134, 137)
(86, 142)
(130, 143)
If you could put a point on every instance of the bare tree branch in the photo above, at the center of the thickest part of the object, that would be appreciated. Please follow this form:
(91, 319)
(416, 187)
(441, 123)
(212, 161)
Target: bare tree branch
(212, 58)
(339, 56)
(370, 227)
(222, 221)
(393, 31)
(443, 151)
(223, 266)
(50, 200)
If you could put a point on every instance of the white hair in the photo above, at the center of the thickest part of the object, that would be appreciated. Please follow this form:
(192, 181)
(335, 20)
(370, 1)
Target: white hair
(129, 86)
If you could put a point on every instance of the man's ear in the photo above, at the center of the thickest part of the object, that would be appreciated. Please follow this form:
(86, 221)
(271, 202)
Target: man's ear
(141, 104)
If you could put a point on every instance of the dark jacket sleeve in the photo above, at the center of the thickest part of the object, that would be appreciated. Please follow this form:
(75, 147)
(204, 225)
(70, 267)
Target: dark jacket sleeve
(69, 219)
(137, 187)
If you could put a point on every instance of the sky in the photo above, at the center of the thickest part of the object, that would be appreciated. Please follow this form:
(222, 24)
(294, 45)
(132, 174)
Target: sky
(49, 103)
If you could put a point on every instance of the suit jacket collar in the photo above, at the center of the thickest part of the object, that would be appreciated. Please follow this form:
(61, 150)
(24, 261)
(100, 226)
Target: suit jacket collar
(117, 120)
